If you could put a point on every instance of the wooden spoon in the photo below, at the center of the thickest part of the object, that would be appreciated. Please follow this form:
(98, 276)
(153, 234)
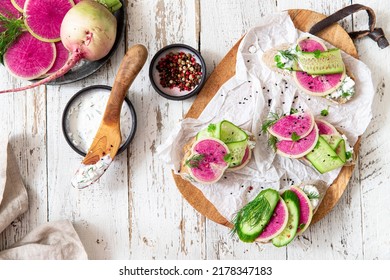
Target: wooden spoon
(108, 138)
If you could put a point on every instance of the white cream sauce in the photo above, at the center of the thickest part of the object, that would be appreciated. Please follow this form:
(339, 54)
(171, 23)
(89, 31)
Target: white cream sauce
(85, 114)
(88, 174)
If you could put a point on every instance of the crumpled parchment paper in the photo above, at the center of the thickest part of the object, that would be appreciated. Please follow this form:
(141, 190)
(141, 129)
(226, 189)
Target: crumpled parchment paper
(247, 99)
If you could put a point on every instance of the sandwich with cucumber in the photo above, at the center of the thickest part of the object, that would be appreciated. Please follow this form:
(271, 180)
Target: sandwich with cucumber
(277, 217)
(315, 141)
(315, 69)
(218, 148)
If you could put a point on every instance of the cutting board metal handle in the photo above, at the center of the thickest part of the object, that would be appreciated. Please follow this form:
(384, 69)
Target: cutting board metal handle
(374, 33)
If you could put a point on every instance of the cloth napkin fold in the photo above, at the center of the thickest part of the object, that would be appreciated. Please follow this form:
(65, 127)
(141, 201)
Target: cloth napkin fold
(52, 240)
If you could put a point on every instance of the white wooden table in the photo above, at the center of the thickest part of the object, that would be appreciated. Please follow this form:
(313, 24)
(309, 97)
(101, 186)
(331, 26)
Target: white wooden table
(136, 212)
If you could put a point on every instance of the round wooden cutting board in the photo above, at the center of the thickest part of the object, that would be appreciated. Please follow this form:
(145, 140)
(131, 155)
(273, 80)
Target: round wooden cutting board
(303, 20)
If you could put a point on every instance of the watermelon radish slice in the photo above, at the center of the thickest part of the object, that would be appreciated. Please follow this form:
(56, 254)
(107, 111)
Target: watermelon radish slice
(325, 128)
(43, 18)
(306, 209)
(61, 58)
(18, 4)
(8, 10)
(300, 148)
(299, 123)
(28, 58)
(317, 85)
(310, 44)
(276, 224)
(207, 162)
(321, 85)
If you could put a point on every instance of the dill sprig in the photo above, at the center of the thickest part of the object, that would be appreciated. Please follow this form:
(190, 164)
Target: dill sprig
(313, 195)
(13, 28)
(287, 54)
(252, 213)
(270, 121)
(194, 161)
(272, 140)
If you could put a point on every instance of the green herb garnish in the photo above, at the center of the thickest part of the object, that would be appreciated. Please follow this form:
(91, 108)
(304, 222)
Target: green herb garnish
(313, 195)
(348, 155)
(194, 161)
(252, 213)
(212, 127)
(228, 158)
(293, 111)
(295, 137)
(13, 28)
(287, 55)
(301, 226)
(345, 94)
(272, 119)
(272, 142)
(325, 112)
(317, 53)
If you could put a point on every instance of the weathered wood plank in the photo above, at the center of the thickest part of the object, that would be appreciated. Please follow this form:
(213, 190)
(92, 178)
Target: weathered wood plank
(23, 118)
(374, 163)
(163, 226)
(99, 212)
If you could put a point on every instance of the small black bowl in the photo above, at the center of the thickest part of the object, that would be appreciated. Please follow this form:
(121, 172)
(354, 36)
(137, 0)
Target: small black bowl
(83, 91)
(175, 93)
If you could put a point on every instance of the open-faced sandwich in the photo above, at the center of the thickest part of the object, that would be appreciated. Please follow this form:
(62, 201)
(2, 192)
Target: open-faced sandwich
(218, 148)
(316, 70)
(317, 142)
(277, 217)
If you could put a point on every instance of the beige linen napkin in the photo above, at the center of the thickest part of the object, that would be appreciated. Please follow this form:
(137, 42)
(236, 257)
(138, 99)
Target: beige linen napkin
(13, 194)
(53, 240)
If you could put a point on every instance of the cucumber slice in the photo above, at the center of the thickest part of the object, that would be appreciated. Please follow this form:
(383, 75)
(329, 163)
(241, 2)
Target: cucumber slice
(321, 63)
(341, 151)
(230, 133)
(213, 131)
(332, 140)
(323, 157)
(237, 152)
(290, 231)
(251, 220)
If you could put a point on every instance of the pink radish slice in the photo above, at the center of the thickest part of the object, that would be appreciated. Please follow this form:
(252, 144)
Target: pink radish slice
(28, 58)
(320, 85)
(298, 148)
(310, 44)
(43, 18)
(18, 4)
(306, 213)
(325, 128)
(276, 224)
(299, 123)
(211, 166)
(61, 58)
(8, 10)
